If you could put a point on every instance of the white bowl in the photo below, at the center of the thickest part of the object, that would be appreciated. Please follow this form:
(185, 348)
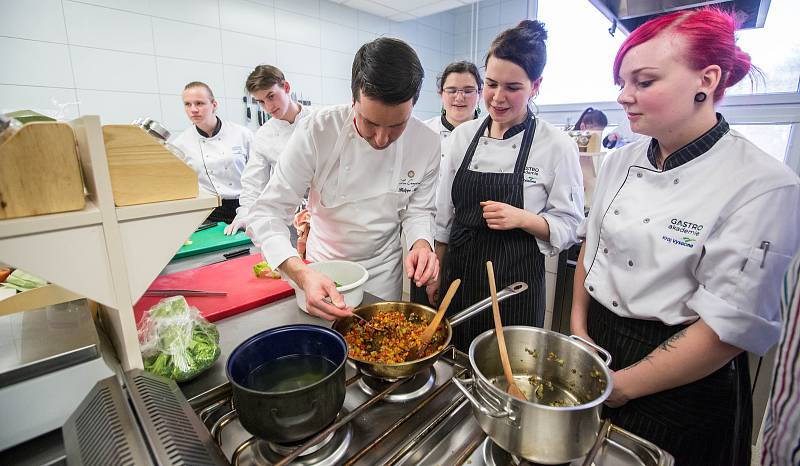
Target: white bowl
(351, 275)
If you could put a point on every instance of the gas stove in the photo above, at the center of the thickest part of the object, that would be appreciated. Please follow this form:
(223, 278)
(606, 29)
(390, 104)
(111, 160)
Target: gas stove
(424, 420)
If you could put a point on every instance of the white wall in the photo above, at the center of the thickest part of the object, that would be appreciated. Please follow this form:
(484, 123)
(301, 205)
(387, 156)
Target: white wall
(493, 17)
(123, 59)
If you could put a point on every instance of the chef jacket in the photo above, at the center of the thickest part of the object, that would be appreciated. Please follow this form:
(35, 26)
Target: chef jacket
(710, 237)
(359, 197)
(552, 182)
(218, 159)
(269, 141)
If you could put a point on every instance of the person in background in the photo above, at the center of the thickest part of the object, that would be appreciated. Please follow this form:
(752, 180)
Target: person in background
(216, 149)
(592, 120)
(511, 189)
(270, 89)
(781, 438)
(460, 87)
(688, 237)
(371, 168)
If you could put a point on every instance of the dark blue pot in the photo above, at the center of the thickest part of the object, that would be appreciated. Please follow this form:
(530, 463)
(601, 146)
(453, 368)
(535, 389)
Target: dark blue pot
(293, 415)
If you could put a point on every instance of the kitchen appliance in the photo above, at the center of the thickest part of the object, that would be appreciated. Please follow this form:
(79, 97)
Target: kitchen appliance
(423, 420)
(564, 382)
(49, 360)
(235, 277)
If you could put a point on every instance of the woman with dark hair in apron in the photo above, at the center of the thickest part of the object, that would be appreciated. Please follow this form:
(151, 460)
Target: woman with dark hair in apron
(511, 189)
(690, 232)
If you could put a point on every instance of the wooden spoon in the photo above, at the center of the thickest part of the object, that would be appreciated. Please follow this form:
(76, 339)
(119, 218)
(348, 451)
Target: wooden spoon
(430, 330)
(512, 390)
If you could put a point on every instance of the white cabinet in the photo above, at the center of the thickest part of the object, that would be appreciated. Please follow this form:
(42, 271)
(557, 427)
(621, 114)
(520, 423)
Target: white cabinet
(106, 253)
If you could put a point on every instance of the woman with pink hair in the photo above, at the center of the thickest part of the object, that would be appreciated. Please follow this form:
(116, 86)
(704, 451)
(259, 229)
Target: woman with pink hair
(690, 233)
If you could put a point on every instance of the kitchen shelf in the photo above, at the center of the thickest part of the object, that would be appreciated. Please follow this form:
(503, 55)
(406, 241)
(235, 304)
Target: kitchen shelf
(105, 253)
(90, 215)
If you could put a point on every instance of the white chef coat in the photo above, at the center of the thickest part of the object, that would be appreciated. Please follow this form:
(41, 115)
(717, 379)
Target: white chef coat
(553, 181)
(269, 142)
(359, 197)
(219, 160)
(684, 244)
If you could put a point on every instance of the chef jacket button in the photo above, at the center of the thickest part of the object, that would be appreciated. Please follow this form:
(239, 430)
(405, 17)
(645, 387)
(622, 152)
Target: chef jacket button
(513, 146)
(630, 263)
(646, 220)
(675, 181)
(639, 175)
(485, 142)
(347, 167)
(605, 250)
(591, 288)
(616, 212)
(614, 303)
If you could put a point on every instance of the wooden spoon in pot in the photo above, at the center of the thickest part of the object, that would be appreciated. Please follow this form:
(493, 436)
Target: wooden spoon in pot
(430, 330)
(512, 390)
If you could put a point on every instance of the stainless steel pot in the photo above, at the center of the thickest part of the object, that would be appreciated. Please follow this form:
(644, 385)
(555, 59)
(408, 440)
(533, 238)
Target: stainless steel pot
(562, 370)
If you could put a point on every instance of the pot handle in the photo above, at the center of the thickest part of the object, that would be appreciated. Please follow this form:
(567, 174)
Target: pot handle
(478, 405)
(510, 290)
(289, 421)
(606, 355)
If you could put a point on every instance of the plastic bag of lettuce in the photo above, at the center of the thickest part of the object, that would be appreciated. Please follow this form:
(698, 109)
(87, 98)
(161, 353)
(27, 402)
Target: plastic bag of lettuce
(176, 341)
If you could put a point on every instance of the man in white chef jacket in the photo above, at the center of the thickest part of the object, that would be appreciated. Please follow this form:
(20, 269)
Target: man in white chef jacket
(371, 168)
(269, 87)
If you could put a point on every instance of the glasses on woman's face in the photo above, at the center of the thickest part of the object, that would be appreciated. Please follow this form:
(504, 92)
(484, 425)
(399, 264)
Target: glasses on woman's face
(467, 91)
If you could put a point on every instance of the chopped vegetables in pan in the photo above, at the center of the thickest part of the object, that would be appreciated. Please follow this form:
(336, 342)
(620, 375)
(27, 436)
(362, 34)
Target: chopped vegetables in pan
(388, 337)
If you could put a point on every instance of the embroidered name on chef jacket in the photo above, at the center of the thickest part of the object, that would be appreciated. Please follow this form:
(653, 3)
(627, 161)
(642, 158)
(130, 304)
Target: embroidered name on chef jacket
(239, 150)
(410, 183)
(531, 175)
(682, 232)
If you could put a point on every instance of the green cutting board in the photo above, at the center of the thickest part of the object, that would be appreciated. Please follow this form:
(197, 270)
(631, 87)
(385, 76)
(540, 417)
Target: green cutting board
(211, 239)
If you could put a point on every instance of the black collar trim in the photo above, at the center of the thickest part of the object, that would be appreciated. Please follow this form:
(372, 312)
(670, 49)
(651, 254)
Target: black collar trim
(514, 130)
(690, 151)
(216, 130)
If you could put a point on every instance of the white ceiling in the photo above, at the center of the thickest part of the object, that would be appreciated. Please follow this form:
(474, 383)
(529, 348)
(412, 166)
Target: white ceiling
(403, 10)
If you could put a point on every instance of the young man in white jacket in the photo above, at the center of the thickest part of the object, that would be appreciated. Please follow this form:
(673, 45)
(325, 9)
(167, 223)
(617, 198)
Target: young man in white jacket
(270, 89)
(216, 149)
(371, 168)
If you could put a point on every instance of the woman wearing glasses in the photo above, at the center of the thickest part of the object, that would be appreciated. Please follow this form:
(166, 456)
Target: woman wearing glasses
(511, 189)
(460, 88)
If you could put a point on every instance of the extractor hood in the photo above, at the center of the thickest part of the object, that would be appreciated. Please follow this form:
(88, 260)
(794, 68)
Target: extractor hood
(627, 15)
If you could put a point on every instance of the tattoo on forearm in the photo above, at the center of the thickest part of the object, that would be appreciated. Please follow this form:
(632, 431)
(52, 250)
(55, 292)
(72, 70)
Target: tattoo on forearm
(666, 346)
(646, 358)
(669, 343)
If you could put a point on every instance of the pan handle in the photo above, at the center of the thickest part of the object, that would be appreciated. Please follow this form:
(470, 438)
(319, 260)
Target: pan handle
(477, 404)
(506, 292)
(606, 355)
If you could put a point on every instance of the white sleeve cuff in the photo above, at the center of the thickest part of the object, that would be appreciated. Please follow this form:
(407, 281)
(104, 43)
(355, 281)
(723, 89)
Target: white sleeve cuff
(561, 235)
(277, 250)
(417, 231)
(744, 330)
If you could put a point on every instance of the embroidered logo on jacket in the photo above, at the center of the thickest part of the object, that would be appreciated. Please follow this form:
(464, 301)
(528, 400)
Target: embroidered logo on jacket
(686, 227)
(531, 174)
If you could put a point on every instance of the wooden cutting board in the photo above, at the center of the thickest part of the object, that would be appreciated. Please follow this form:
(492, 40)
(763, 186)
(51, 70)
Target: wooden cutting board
(234, 277)
(143, 170)
(39, 171)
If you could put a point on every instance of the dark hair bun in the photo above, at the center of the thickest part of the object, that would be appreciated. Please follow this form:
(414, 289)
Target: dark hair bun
(524, 45)
(532, 31)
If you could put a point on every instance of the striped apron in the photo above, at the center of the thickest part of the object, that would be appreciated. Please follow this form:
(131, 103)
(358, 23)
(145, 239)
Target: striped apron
(514, 253)
(704, 423)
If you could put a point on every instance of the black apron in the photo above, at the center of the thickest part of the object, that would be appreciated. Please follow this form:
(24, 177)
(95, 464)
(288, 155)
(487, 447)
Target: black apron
(707, 422)
(514, 253)
(225, 212)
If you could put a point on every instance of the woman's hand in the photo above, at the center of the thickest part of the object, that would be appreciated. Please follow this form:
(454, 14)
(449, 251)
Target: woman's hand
(500, 216)
(618, 396)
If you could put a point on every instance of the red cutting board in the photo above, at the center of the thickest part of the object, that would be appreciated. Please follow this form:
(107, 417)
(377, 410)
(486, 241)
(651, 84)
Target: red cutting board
(234, 276)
